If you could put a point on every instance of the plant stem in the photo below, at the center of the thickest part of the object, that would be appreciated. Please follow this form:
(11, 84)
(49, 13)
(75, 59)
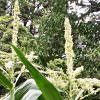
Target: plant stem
(12, 80)
(70, 90)
(12, 93)
(14, 42)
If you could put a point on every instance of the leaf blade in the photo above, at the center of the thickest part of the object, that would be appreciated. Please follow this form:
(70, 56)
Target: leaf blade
(5, 82)
(48, 90)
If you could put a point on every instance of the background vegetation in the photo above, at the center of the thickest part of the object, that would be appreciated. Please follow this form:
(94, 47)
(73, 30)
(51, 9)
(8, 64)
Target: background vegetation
(41, 31)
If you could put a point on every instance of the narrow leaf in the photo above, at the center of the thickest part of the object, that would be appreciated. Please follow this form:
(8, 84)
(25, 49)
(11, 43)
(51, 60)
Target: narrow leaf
(5, 82)
(26, 91)
(48, 90)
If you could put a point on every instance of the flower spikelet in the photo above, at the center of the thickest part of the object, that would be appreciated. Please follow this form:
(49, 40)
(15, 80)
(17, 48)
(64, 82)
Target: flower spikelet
(15, 27)
(15, 22)
(68, 46)
(58, 78)
(78, 71)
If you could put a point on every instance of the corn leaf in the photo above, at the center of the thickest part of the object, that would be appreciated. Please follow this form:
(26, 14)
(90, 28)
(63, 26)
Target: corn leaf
(26, 91)
(5, 82)
(48, 90)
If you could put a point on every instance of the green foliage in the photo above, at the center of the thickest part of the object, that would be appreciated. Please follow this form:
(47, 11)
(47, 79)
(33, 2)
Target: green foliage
(52, 36)
(57, 63)
(3, 4)
(5, 47)
(5, 82)
(50, 43)
(83, 34)
(49, 46)
(29, 89)
(26, 9)
(48, 90)
(26, 91)
(25, 39)
(5, 33)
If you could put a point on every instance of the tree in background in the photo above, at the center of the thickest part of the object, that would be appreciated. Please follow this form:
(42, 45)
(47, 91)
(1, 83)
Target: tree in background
(42, 30)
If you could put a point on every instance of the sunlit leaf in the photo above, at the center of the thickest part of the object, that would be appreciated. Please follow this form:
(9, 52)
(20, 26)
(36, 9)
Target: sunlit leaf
(48, 90)
(26, 91)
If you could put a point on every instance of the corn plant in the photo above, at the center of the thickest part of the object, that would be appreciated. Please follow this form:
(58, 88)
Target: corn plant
(75, 88)
(40, 89)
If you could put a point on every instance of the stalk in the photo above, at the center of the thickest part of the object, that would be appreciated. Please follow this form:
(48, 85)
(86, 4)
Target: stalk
(12, 93)
(69, 54)
(14, 42)
(77, 87)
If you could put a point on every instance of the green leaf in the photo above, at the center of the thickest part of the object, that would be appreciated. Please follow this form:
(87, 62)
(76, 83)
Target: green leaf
(41, 97)
(48, 90)
(26, 91)
(5, 82)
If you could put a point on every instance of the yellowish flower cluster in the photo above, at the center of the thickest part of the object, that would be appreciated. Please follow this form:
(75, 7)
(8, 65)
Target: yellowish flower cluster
(58, 78)
(69, 47)
(31, 56)
(88, 83)
(76, 87)
(77, 71)
(5, 57)
(15, 23)
(15, 27)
